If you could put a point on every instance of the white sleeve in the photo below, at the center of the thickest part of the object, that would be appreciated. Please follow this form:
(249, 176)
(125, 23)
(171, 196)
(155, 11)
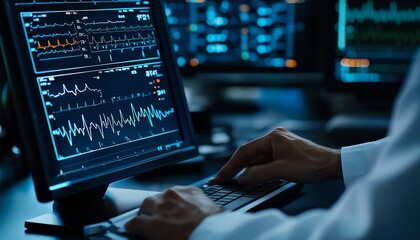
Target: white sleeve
(382, 205)
(357, 160)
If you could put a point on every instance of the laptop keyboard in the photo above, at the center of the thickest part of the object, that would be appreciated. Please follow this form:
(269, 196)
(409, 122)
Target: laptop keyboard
(232, 196)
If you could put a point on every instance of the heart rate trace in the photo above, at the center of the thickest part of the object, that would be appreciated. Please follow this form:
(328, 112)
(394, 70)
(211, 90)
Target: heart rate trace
(67, 40)
(74, 92)
(109, 122)
(105, 108)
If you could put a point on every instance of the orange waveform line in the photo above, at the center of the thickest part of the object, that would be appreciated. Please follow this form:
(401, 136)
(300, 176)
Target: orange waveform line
(59, 44)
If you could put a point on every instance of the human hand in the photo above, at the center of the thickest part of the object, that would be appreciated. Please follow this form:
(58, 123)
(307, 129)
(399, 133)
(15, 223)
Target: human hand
(282, 155)
(173, 214)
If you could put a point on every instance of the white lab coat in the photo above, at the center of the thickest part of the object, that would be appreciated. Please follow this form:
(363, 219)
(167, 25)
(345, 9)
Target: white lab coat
(382, 197)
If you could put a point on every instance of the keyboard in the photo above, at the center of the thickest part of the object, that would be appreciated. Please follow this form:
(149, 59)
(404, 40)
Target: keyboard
(233, 195)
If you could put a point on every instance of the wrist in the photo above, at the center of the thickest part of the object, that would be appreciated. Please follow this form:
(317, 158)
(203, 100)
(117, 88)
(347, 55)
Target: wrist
(336, 171)
(328, 166)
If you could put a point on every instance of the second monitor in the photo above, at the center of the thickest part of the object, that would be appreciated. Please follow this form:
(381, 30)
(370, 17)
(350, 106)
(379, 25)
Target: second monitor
(243, 35)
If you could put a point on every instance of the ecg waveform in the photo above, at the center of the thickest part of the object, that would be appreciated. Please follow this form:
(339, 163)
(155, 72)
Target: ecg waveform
(52, 25)
(75, 92)
(57, 52)
(393, 14)
(110, 122)
(379, 35)
(57, 44)
(105, 108)
(105, 22)
(391, 23)
(124, 42)
(69, 34)
(121, 29)
(382, 34)
(63, 40)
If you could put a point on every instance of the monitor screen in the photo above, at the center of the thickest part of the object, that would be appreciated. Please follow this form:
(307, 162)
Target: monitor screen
(243, 35)
(376, 41)
(101, 89)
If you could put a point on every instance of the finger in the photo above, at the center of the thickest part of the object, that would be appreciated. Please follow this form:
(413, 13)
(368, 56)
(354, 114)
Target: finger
(243, 157)
(216, 180)
(149, 204)
(259, 174)
(140, 226)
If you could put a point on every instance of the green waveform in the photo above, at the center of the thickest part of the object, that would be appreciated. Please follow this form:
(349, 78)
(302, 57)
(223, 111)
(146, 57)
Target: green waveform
(393, 14)
(403, 37)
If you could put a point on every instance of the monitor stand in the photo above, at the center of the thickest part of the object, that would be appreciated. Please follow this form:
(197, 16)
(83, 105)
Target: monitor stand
(70, 215)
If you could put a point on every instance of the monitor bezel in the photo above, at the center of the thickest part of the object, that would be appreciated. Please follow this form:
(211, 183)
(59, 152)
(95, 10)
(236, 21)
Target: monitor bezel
(32, 120)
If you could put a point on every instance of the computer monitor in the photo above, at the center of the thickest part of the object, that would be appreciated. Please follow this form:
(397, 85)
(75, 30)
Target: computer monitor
(245, 35)
(375, 43)
(96, 90)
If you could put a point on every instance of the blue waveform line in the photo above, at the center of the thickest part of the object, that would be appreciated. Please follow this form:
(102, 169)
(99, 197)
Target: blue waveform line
(52, 25)
(131, 97)
(52, 52)
(109, 122)
(126, 40)
(391, 15)
(55, 35)
(107, 22)
(60, 58)
(74, 92)
(78, 106)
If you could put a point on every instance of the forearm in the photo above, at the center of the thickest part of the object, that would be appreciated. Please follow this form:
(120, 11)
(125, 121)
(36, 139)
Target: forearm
(322, 164)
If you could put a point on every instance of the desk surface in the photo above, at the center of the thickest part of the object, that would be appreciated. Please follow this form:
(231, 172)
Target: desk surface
(18, 202)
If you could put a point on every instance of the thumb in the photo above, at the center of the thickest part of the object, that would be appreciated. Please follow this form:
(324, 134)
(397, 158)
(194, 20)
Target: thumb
(139, 226)
(258, 174)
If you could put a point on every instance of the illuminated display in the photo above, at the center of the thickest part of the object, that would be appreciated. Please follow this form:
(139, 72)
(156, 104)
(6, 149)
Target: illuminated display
(259, 34)
(80, 39)
(103, 84)
(376, 39)
(107, 108)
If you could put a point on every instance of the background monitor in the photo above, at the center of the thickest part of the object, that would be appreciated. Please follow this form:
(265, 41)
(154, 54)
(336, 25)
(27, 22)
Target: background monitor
(375, 43)
(96, 90)
(244, 35)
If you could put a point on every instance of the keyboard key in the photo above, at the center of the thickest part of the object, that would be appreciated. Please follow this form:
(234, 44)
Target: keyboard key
(238, 203)
(255, 194)
(231, 198)
(223, 201)
(225, 191)
(219, 194)
(234, 195)
(214, 198)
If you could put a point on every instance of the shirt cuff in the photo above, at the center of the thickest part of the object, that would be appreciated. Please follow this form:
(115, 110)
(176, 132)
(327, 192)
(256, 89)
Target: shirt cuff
(358, 160)
(353, 163)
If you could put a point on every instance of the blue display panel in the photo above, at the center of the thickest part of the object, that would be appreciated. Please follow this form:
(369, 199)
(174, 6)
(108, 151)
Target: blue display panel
(92, 111)
(68, 40)
(376, 40)
(239, 34)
